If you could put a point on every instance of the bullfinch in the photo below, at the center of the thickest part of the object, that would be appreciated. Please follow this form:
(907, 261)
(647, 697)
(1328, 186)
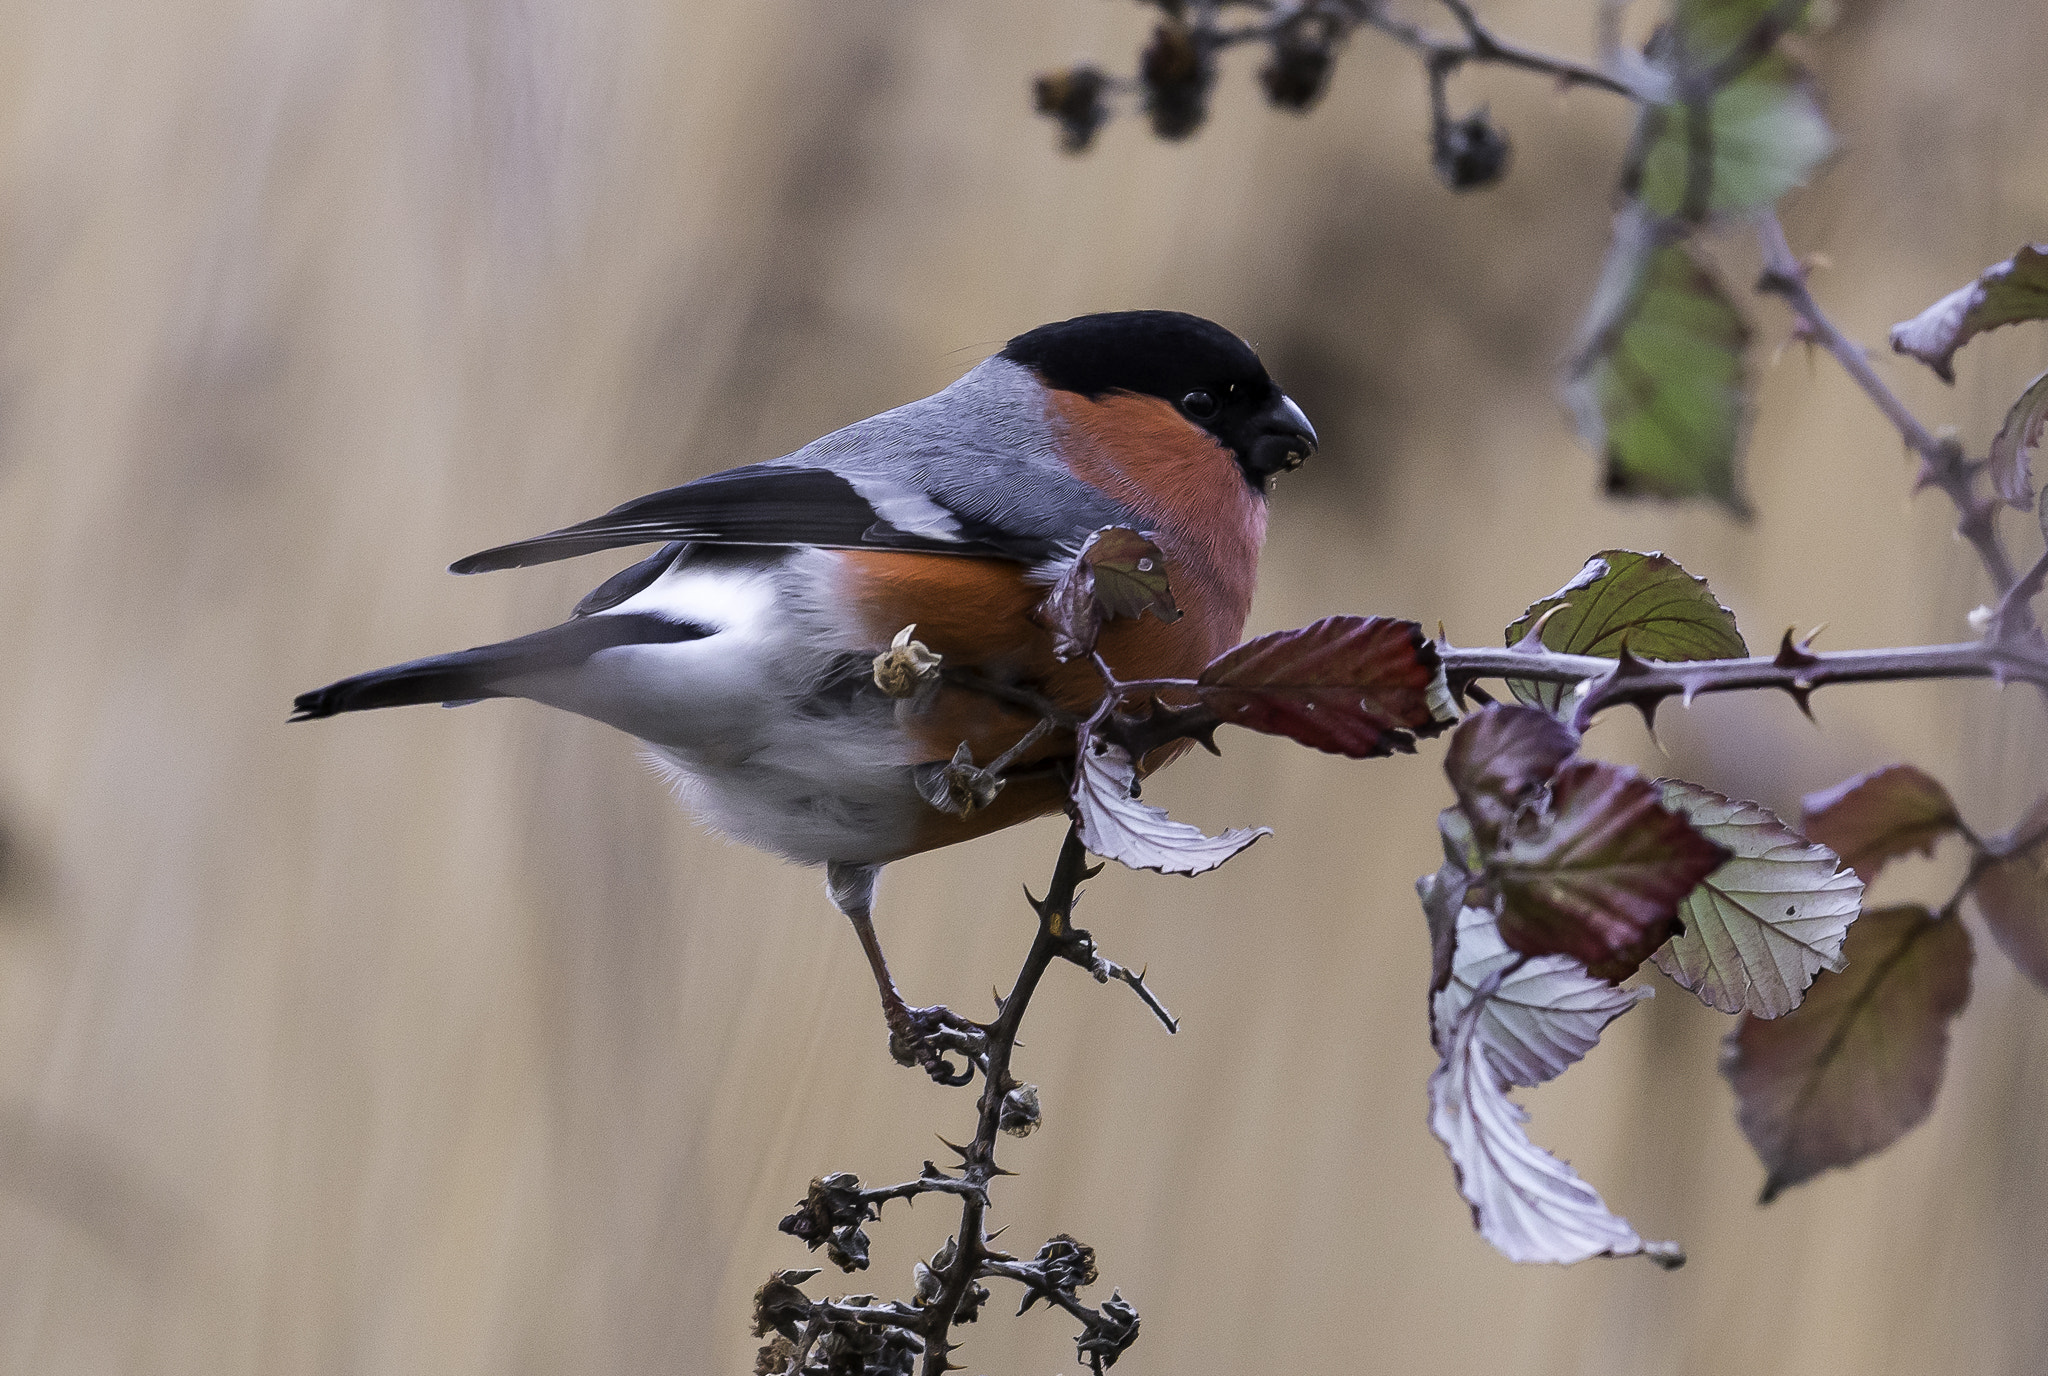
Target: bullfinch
(742, 652)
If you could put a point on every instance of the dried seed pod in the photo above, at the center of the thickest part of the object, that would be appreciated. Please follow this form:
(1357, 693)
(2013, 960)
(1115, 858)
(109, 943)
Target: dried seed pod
(1020, 1115)
(1470, 152)
(908, 667)
(1297, 70)
(1177, 69)
(1076, 99)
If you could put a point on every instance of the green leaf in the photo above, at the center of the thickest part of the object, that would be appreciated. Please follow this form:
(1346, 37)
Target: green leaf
(1595, 870)
(1644, 601)
(2003, 294)
(1759, 928)
(2013, 447)
(1763, 134)
(2012, 893)
(1657, 384)
(1856, 1066)
(1715, 30)
(1874, 818)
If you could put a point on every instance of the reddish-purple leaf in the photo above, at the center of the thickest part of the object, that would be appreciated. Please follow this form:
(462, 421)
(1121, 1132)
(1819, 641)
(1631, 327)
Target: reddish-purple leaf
(2003, 294)
(1361, 686)
(2013, 446)
(1118, 572)
(1116, 826)
(2012, 893)
(1852, 1069)
(1879, 816)
(1505, 1019)
(1500, 757)
(1596, 871)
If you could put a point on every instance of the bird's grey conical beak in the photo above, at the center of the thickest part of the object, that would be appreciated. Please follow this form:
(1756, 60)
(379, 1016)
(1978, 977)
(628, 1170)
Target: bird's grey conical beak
(1291, 413)
(1285, 440)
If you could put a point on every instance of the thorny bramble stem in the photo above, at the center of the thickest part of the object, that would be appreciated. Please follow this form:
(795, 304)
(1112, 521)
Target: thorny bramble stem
(948, 1291)
(1796, 669)
(1480, 45)
(971, 1257)
(1942, 463)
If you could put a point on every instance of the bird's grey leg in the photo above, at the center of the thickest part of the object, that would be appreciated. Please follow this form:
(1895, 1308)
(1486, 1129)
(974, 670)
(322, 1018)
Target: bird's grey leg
(917, 1036)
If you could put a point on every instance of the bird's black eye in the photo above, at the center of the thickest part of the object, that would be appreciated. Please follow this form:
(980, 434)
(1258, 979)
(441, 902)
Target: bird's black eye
(1200, 405)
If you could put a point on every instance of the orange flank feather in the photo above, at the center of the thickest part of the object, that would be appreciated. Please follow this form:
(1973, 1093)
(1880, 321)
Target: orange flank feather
(1206, 519)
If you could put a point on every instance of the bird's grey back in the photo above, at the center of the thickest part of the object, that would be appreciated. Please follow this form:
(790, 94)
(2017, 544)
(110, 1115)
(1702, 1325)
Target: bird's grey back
(984, 449)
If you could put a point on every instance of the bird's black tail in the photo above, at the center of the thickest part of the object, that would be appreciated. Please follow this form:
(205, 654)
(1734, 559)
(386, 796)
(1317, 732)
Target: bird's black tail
(485, 671)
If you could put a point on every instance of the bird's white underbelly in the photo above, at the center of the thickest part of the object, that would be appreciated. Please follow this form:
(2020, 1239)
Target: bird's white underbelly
(756, 726)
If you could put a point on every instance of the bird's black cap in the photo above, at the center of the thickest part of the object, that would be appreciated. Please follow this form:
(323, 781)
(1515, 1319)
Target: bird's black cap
(1204, 371)
(1163, 354)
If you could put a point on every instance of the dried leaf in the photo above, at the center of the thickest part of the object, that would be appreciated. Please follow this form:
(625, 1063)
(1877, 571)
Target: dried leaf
(1526, 1202)
(1856, 1066)
(1130, 574)
(1759, 928)
(1877, 817)
(1596, 870)
(2003, 294)
(1118, 572)
(1116, 826)
(1657, 384)
(1644, 601)
(2012, 449)
(1362, 686)
(1765, 135)
(2012, 894)
(1499, 759)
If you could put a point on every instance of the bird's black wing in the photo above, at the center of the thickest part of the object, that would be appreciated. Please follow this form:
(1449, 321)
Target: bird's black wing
(775, 504)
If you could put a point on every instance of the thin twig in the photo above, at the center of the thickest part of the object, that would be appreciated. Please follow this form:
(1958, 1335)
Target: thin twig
(1942, 463)
(1080, 949)
(1482, 45)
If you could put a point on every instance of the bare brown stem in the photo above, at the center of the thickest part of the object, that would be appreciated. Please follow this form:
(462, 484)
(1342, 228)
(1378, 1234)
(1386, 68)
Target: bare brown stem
(1942, 463)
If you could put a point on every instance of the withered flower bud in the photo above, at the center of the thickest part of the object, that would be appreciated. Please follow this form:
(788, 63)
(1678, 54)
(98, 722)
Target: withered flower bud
(1116, 1332)
(1469, 152)
(959, 786)
(1074, 98)
(930, 1278)
(907, 668)
(1298, 70)
(1019, 1114)
(1177, 69)
(779, 1356)
(779, 1306)
(831, 1216)
(1068, 1265)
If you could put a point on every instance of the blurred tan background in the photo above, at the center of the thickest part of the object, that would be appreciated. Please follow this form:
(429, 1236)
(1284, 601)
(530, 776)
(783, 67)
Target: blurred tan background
(442, 1042)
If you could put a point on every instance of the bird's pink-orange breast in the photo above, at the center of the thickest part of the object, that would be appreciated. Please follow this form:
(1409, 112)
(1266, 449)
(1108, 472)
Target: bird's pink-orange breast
(977, 613)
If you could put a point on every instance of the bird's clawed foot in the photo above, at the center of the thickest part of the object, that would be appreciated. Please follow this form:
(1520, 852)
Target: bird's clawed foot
(924, 1037)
